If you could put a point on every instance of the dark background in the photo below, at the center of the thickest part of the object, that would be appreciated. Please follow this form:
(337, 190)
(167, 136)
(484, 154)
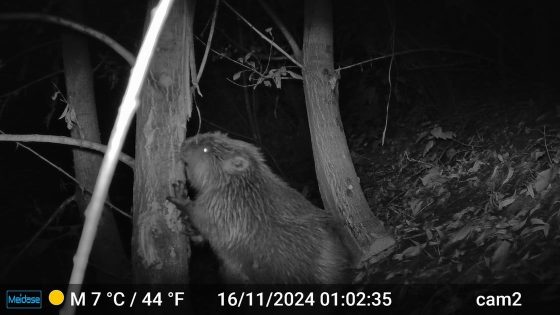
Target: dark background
(461, 57)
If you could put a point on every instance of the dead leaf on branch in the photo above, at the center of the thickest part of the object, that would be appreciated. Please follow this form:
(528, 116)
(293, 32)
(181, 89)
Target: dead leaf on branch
(69, 116)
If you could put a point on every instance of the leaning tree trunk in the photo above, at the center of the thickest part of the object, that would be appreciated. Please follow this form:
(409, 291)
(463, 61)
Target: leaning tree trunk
(160, 248)
(107, 256)
(338, 183)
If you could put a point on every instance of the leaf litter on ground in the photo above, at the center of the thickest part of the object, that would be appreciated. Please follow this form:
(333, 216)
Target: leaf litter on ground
(478, 207)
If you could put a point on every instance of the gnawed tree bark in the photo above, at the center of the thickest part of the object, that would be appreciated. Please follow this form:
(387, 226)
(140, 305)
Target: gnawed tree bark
(338, 183)
(107, 257)
(160, 248)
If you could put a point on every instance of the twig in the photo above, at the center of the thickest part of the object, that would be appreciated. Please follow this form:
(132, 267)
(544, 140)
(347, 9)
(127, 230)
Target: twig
(240, 85)
(28, 50)
(465, 144)
(282, 27)
(122, 123)
(192, 62)
(417, 161)
(390, 89)
(209, 41)
(118, 48)
(46, 76)
(15, 258)
(268, 57)
(199, 119)
(424, 207)
(63, 172)
(412, 51)
(282, 51)
(546, 147)
(395, 197)
(126, 159)
(232, 60)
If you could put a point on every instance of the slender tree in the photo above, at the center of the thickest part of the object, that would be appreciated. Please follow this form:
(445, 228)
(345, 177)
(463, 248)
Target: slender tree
(108, 256)
(338, 183)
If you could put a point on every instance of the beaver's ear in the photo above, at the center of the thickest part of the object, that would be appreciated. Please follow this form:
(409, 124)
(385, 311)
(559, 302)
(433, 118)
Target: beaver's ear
(236, 164)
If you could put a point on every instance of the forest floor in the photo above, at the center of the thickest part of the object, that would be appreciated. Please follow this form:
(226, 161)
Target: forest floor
(471, 198)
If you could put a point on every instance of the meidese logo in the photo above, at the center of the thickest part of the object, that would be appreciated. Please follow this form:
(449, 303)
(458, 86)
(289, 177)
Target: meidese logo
(24, 299)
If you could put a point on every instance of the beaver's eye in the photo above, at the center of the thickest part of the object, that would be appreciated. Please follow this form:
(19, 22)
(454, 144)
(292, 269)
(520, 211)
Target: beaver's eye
(205, 150)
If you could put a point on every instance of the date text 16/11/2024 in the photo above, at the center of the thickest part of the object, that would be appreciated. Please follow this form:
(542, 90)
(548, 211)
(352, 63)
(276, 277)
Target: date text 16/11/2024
(288, 299)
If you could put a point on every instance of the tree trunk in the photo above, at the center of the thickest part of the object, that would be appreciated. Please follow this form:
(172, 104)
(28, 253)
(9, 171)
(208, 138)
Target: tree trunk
(108, 256)
(338, 183)
(160, 248)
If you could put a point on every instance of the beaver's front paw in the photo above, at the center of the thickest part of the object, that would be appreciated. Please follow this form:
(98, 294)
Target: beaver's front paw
(180, 196)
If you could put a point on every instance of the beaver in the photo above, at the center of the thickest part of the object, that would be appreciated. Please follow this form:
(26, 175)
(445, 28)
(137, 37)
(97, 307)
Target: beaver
(261, 229)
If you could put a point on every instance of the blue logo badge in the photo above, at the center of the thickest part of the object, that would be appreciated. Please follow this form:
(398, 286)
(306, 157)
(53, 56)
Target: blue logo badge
(24, 299)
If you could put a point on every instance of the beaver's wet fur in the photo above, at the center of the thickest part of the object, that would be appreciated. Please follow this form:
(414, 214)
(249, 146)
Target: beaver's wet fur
(262, 230)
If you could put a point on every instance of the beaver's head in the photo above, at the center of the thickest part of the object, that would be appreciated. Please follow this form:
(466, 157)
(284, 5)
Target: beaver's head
(214, 159)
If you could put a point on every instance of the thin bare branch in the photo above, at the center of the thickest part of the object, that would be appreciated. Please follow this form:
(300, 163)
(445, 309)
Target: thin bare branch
(190, 47)
(282, 27)
(72, 178)
(232, 60)
(46, 76)
(412, 51)
(241, 85)
(118, 48)
(126, 159)
(282, 51)
(546, 147)
(209, 41)
(390, 89)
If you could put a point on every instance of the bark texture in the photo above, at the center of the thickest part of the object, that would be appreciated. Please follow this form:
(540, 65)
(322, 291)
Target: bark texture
(161, 249)
(108, 256)
(338, 183)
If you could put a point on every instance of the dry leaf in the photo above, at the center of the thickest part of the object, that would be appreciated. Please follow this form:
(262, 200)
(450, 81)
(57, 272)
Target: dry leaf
(439, 134)
(461, 234)
(412, 251)
(542, 181)
(537, 154)
(530, 191)
(509, 175)
(476, 166)
(415, 206)
(433, 178)
(428, 147)
(506, 202)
